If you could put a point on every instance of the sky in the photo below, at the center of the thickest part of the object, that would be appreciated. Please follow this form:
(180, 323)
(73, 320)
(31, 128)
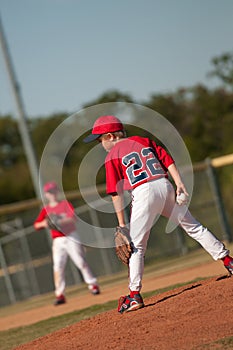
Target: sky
(67, 53)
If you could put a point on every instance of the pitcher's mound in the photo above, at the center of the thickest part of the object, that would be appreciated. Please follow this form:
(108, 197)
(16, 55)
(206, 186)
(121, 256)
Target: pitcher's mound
(184, 318)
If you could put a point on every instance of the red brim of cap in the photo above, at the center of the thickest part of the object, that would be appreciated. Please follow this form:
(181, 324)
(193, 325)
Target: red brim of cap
(91, 137)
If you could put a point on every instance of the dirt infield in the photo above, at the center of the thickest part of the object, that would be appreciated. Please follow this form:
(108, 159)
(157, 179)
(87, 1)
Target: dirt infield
(181, 319)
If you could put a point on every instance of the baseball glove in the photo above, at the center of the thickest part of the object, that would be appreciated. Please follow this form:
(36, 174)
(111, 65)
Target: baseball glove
(123, 244)
(53, 222)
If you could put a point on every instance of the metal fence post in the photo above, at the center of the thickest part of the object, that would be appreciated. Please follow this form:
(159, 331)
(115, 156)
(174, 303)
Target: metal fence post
(218, 201)
(28, 263)
(7, 278)
(103, 251)
(182, 246)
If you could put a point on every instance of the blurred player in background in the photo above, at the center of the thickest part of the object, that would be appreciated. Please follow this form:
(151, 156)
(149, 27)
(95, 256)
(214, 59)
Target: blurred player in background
(140, 166)
(59, 217)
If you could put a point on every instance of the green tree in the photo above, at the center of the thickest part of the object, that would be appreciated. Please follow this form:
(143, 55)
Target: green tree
(223, 68)
(42, 129)
(110, 96)
(11, 150)
(171, 106)
(210, 114)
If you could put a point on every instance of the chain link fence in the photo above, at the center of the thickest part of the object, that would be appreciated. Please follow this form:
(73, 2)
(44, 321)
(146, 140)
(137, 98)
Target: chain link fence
(25, 254)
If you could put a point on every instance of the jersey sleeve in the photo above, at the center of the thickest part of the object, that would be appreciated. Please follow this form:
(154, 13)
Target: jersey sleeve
(165, 159)
(114, 177)
(42, 215)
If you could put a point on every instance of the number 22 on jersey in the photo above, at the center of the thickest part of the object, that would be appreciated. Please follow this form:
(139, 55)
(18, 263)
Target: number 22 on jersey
(142, 166)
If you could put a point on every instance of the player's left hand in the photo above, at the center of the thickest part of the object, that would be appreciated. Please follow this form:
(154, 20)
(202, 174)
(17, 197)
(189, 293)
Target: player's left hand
(123, 244)
(53, 221)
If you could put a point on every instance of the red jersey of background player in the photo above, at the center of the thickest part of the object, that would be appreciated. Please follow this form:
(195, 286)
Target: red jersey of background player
(65, 210)
(134, 161)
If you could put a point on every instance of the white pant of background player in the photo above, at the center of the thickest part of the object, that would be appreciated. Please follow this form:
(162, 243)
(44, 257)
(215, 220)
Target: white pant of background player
(158, 198)
(62, 248)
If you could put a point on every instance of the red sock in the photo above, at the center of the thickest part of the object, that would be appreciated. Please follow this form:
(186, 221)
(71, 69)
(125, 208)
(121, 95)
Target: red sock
(227, 259)
(133, 292)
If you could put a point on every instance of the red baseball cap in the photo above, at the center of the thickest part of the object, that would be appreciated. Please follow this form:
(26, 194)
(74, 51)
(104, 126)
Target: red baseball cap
(103, 125)
(50, 187)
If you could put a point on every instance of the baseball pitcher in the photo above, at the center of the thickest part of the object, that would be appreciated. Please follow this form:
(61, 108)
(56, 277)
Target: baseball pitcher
(139, 165)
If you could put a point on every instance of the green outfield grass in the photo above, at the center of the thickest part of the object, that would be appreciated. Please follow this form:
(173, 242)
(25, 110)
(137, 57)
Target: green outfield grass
(156, 267)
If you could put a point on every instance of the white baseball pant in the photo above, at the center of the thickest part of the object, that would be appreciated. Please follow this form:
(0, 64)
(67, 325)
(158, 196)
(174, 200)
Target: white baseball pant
(62, 248)
(156, 198)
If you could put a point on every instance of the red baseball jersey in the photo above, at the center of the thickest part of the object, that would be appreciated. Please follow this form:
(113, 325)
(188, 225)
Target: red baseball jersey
(63, 209)
(134, 161)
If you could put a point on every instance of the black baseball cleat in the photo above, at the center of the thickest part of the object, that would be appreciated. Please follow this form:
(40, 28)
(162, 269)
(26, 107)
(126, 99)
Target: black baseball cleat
(94, 289)
(229, 267)
(60, 300)
(127, 304)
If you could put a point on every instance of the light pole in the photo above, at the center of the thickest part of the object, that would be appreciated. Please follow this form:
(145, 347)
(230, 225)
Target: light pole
(22, 122)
